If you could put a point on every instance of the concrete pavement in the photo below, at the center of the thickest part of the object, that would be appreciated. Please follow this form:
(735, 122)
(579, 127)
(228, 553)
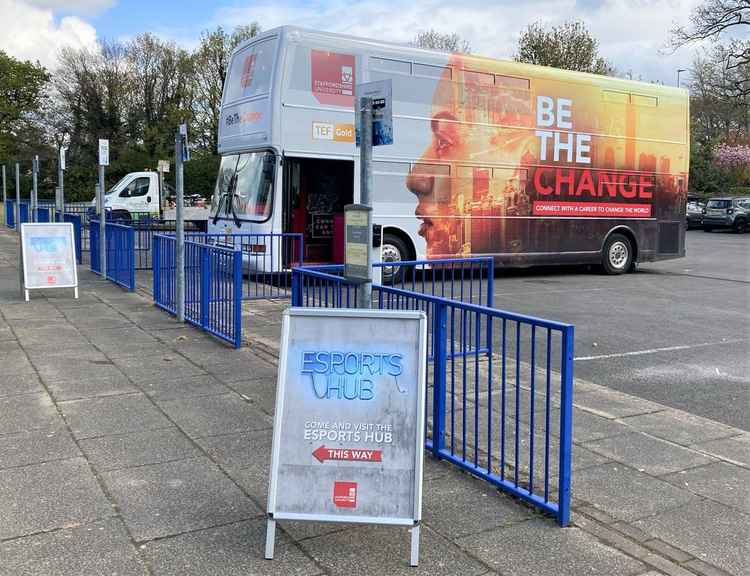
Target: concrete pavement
(132, 445)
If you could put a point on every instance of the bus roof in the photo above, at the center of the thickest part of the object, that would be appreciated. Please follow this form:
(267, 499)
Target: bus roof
(402, 50)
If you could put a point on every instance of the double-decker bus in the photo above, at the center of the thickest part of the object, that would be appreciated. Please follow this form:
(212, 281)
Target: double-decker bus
(528, 164)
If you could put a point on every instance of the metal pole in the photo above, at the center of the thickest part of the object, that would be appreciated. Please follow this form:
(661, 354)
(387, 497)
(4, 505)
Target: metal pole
(364, 290)
(34, 171)
(60, 197)
(5, 194)
(179, 227)
(18, 198)
(102, 225)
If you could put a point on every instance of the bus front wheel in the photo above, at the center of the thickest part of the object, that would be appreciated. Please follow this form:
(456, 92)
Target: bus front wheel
(394, 249)
(617, 255)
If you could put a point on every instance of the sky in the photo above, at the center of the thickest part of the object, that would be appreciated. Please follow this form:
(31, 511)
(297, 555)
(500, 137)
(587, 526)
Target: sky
(632, 33)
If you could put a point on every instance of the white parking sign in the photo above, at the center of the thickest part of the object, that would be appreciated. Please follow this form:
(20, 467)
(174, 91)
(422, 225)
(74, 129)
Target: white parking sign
(349, 425)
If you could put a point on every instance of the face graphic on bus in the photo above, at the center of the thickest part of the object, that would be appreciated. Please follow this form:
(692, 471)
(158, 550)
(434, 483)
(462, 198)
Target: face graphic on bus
(472, 166)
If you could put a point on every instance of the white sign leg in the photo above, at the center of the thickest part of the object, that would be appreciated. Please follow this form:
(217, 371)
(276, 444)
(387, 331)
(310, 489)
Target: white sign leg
(270, 538)
(414, 561)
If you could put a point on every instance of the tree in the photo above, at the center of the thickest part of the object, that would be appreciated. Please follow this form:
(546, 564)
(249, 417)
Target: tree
(435, 40)
(211, 61)
(22, 87)
(727, 23)
(569, 46)
(161, 75)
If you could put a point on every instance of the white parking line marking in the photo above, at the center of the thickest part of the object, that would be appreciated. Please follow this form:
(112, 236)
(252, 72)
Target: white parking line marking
(657, 350)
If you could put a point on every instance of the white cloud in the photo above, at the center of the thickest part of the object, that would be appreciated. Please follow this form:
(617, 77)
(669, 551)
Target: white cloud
(32, 33)
(77, 6)
(631, 32)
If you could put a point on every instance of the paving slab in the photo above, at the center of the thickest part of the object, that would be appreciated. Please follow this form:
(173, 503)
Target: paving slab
(48, 496)
(679, 427)
(240, 450)
(138, 449)
(112, 415)
(95, 548)
(175, 497)
(626, 494)
(736, 449)
(213, 415)
(648, 454)
(459, 506)
(725, 483)
(261, 393)
(140, 368)
(357, 550)
(233, 550)
(613, 404)
(27, 412)
(100, 381)
(36, 446)
(708, 530)
(540, 548)
(24, 383)
(190, 386)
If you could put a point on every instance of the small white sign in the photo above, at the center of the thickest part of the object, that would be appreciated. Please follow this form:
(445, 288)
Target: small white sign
(62, 158)
(163, 166)
(103, 152)
(322, 131)
(48, 256)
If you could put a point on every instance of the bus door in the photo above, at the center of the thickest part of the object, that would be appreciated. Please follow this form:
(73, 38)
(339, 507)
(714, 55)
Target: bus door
(315, 193)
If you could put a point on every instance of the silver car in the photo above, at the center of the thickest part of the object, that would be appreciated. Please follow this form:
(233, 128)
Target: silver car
(731, 213)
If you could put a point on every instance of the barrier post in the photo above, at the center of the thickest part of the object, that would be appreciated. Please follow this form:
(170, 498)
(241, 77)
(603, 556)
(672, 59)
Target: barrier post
(205, 284)
(156, 268)
(566, 425)
(131, 258)
(18, 197)
(297, 280)
(439, 336)
(237, 298)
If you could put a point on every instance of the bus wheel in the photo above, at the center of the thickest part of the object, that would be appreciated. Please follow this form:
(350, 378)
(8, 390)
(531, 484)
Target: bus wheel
(617, 255)
(394, 249)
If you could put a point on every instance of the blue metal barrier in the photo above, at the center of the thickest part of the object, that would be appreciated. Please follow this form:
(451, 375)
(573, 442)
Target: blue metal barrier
(465, 279)
(266, 260)
(502, 387)
(43, 214)
(120, 253)
(10, 213)
(74, 219)
(23, 212)
(213, 285)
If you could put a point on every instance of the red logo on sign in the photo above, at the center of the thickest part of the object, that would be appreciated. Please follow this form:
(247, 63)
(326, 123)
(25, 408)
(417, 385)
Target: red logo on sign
(248, 66)
(332, 78)
(345, 494)
(51, 280)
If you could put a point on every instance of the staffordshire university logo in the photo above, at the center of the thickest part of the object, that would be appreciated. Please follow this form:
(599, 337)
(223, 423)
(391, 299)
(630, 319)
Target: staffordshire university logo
(332, 77)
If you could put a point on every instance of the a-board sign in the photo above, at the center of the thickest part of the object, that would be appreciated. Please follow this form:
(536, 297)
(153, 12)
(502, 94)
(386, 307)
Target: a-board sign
(381, 92)
(357, 253)
(48, 257)
(349, 422)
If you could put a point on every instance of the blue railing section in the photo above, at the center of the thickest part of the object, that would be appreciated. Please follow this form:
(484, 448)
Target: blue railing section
(10, 213)
(267, 260)
(465, 279)
(74, 219)
(120, 253)
(502, 386)
(213, 285)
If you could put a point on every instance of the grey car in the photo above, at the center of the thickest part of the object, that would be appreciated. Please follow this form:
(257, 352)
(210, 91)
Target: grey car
(731, 213)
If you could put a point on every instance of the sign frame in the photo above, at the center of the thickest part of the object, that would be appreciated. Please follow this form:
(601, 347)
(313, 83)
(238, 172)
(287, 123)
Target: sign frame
(23, 276)
(421, 372)
(103, 152)
(357, 222)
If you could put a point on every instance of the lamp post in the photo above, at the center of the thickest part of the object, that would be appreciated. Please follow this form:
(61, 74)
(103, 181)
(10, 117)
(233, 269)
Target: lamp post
(679, 70)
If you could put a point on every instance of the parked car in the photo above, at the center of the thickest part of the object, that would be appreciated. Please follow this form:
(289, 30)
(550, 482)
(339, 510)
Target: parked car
(731, 213)
(695, 214)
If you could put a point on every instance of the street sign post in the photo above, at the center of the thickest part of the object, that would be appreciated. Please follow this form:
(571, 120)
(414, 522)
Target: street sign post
(48, 257)
(103, 161)
(60, 189)
(33, 216)
(349, 423)
(381, 95)
(182, 154)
